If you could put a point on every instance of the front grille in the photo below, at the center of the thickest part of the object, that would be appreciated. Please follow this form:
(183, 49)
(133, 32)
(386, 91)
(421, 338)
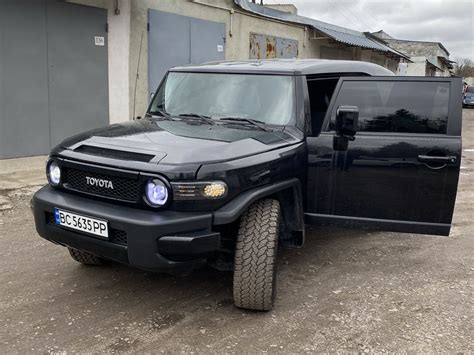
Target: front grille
(124, 189)
(116, 236)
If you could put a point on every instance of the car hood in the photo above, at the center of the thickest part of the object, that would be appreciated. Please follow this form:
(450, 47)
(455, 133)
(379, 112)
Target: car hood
(176, 142)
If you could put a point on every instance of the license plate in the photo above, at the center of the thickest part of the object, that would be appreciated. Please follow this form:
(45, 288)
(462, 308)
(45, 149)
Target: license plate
(94, 226)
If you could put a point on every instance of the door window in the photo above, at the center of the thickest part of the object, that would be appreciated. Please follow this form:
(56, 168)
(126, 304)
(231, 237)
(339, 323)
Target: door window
(397, 106)
(320, 93)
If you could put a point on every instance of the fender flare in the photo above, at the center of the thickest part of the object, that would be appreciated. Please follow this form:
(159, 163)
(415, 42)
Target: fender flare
(288, 192)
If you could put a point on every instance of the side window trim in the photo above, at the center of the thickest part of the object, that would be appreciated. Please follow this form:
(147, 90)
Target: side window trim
(332, 76)
(327, 117)
(454, 109)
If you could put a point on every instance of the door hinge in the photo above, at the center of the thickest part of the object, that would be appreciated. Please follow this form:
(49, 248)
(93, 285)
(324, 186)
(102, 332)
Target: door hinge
(107, 27)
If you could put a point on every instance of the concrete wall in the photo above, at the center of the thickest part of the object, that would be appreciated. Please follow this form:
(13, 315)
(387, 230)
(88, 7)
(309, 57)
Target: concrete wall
(417, 48)
(128, 29)
(118, 56)
(237, 45)
(368, 55)
(420, 52)
(418, 67)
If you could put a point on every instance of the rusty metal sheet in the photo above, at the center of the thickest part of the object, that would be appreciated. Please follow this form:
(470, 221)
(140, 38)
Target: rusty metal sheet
(286, 48)
(257, 46)
(270, 47)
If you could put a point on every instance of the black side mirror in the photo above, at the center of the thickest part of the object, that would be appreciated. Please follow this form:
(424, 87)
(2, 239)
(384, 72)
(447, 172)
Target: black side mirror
(347, 122)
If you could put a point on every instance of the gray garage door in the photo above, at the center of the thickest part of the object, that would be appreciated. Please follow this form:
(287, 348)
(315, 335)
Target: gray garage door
(24, 111)
(177, 40)
(53, 76)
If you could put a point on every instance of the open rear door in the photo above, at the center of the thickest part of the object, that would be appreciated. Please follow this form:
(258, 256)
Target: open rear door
(401, 171)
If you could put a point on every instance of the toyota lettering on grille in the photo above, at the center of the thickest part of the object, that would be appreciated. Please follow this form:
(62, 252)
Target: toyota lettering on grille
(99, 182)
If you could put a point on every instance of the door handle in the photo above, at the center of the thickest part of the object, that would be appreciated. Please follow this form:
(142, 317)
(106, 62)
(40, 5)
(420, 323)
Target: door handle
(437, 159)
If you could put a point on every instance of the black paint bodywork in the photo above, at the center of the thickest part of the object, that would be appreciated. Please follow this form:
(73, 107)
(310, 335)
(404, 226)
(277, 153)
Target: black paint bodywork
(379, 182)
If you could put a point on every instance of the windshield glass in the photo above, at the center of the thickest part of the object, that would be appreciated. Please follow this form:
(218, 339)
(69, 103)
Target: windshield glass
(470, 89)
(267, 98)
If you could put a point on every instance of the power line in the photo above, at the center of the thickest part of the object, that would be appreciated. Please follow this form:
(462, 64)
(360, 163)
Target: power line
(364, 16)
(342, 14)
(357, 18)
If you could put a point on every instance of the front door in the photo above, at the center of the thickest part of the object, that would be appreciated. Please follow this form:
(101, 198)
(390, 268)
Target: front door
(401, 171)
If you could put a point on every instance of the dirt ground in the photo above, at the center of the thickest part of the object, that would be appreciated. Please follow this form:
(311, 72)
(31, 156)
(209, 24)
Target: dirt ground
(344, 291)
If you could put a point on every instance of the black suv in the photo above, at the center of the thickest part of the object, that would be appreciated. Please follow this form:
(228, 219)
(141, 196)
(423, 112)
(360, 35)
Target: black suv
(233, 159)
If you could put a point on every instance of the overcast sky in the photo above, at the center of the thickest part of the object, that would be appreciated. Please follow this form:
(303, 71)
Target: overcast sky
(447, 21)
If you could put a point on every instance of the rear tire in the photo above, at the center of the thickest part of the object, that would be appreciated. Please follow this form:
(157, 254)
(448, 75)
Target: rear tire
(85, 258)
(255, 256)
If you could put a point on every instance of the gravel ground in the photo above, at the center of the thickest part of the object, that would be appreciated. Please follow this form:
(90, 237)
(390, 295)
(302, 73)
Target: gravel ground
(344, 291)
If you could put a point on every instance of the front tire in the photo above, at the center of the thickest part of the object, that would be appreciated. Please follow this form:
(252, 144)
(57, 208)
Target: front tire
(255, 256)
(85, 258)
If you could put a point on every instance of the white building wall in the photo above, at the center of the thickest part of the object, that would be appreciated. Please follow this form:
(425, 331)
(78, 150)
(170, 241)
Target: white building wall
(418, 67)
(119, 63)
(237, 44)
(118, 56)
(127, 29)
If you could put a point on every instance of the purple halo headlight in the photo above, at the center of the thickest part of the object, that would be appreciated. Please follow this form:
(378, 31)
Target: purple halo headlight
(156, 192)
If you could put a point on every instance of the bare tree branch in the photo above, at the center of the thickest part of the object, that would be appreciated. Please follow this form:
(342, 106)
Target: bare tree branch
(464, 67)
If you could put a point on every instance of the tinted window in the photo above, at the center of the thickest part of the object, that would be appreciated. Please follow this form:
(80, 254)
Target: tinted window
(397, 106)
(320, 93)
(268, 98)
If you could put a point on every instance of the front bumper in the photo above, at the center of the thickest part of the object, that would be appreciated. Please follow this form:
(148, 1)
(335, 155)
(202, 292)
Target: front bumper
(163, 241)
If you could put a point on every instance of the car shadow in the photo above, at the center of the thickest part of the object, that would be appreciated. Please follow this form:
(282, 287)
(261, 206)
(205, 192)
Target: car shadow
(210, 288)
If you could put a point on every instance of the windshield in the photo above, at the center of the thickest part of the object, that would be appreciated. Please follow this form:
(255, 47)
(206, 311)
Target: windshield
(266, 98)
(470, 89)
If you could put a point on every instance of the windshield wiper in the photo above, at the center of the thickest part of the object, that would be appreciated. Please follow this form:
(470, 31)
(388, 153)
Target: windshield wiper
(161, 113)
(203, 118)
(256, 123)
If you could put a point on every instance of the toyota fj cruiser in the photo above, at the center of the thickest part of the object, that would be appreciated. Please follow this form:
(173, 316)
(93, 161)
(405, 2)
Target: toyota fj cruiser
(232, 159)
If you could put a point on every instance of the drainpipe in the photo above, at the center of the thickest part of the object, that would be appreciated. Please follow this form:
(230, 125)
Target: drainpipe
(117, 7)
(304, 36)
(231, 11)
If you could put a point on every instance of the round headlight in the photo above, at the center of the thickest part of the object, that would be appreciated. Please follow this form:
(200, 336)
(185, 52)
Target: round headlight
(54, 173)
(156, 192)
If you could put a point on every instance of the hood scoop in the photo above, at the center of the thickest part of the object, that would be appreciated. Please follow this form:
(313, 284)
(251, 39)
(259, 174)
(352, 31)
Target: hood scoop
(114, 154)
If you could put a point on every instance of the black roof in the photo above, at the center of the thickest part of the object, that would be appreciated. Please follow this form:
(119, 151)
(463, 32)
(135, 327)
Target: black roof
(288, 67)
